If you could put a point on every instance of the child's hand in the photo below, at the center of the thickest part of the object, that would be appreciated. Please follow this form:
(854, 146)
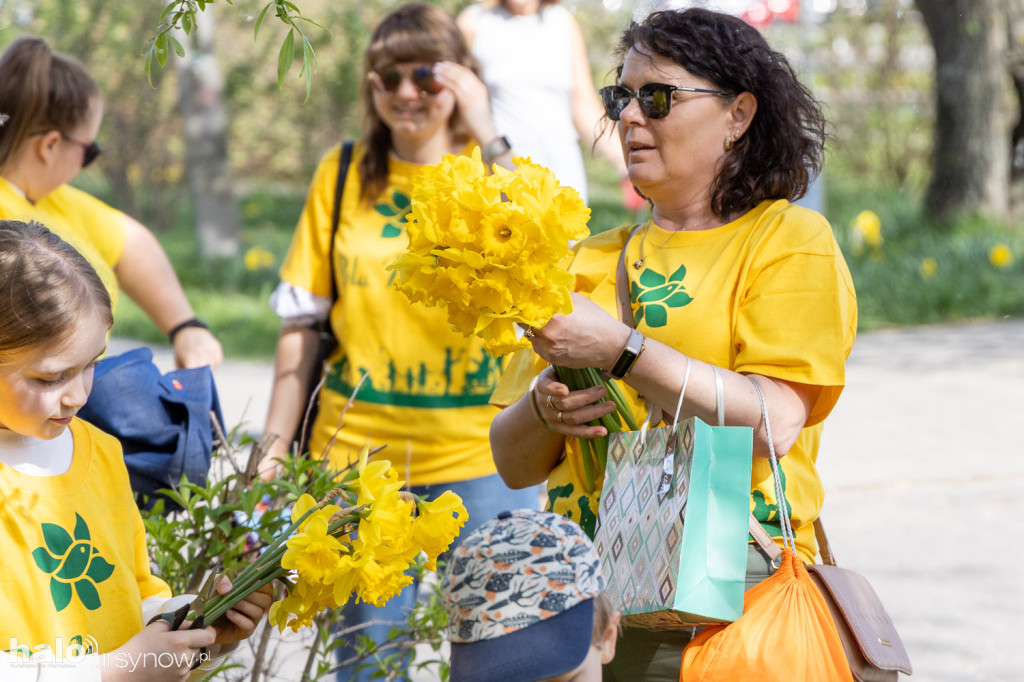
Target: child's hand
(157, 655)
(241, 619)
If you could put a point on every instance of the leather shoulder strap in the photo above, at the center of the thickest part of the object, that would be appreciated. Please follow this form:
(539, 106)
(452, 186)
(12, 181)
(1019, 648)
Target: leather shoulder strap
(344, 161)
(622, 284)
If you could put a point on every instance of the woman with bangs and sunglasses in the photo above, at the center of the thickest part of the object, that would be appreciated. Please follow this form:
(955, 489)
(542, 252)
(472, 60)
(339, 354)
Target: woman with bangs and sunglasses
(50, 114)
(427, 390)
(726, 282)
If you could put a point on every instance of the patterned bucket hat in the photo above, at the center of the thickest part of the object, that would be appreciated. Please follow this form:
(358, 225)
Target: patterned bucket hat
(519, 594)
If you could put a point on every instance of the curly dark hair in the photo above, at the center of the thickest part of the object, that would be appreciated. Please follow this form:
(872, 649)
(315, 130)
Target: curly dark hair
(783, 150)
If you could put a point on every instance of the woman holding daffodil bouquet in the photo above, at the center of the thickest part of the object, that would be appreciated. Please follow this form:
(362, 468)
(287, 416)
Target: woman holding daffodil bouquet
(727, 280)
(427, 388)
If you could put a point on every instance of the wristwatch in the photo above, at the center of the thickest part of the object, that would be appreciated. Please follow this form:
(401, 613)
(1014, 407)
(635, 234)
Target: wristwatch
(634, 347)
(494, 149)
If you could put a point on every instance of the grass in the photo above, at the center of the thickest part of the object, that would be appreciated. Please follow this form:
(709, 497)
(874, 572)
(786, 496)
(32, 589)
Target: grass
(892, 288)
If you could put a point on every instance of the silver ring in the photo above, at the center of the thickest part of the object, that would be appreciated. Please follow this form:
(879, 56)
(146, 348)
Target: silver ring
(528, 332)
(559, 417)
(551, 403)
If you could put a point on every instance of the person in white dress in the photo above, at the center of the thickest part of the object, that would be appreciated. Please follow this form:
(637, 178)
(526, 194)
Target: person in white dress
(543, 97)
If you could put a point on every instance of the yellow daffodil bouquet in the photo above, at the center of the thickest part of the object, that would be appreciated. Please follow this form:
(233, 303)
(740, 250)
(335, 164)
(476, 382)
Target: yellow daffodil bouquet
(331, 553)
(488, 248)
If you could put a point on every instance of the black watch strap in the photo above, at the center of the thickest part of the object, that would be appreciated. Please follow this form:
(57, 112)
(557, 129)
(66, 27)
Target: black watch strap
(194, 322)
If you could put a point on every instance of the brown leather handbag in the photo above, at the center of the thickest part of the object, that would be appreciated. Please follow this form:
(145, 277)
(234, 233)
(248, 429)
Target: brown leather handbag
(872, 645)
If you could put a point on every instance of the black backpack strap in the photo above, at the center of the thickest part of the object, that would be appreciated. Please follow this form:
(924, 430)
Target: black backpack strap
(344, 161)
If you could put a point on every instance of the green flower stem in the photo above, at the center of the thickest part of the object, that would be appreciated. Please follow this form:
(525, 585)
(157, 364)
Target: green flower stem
(265, 569)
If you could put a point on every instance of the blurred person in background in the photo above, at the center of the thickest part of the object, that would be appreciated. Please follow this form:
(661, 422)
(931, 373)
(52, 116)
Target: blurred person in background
(50, 115)
(535, 64)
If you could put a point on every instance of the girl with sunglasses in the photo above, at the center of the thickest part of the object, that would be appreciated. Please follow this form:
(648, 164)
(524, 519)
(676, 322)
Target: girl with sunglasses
(50, 114)
(721, 136)
(427, 389)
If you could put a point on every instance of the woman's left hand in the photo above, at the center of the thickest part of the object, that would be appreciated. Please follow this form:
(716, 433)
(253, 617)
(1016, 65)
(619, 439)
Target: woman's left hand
(570, 412)
(587, 337)
(471, 97)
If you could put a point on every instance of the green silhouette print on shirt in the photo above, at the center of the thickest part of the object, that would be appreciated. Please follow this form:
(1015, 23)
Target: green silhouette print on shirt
(656, 295)
(457, 383)
(397, 208)
(72, 561)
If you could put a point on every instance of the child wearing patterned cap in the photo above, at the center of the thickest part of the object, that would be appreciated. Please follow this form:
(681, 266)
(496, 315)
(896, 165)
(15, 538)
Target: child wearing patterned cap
(525, 602)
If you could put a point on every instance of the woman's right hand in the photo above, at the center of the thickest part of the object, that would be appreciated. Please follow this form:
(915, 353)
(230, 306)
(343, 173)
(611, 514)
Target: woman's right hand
(587, 337)
(568, 412)
(157, 654)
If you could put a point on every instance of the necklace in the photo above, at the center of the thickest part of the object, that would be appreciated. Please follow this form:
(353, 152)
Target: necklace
(639, 262)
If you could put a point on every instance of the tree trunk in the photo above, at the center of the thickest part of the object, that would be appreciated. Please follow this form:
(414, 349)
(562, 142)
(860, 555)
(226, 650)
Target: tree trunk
(971, 166)
(206, 155)
(1015, 63)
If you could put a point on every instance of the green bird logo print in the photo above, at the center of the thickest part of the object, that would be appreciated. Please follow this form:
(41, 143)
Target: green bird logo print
(656, 295)
(72, 562)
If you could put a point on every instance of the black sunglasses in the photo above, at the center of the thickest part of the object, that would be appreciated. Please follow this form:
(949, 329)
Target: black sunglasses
(91, 149)
(655, 99)
(390, 78)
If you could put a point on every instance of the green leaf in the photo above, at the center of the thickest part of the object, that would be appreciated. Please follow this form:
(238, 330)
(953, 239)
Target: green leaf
(400, 200)
(167, 10)
(178, 49)
(385, 210)
(186, 24)
(284, 58)
(161, 49)
(679, 275)
(259, 21)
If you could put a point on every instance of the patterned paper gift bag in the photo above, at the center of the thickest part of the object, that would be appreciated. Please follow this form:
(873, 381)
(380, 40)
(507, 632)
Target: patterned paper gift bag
(672, 525)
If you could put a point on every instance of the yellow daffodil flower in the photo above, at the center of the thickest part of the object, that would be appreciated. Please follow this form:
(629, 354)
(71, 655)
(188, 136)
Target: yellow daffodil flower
(1000, 256)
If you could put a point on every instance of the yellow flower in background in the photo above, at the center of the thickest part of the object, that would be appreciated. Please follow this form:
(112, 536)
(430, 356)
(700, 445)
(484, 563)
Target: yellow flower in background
(437, 525)
(867, 229)
(258, 258)
(487, 248)
(928, 268)
(252, 209)
(1000, 256)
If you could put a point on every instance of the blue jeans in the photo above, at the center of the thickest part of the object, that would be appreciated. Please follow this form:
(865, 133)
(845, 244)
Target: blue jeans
(484, 499)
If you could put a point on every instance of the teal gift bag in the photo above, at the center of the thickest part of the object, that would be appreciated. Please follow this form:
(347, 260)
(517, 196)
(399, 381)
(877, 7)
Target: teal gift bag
(672, 523)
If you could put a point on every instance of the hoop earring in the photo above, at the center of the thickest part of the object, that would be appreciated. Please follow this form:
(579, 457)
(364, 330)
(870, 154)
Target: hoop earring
(730, 140)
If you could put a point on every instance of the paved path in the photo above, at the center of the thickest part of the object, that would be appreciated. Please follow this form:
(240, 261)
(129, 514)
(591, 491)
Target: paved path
(923, 467)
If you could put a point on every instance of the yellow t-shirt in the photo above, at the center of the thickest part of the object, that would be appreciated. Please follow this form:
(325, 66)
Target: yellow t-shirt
(428, 390)
(768, 293)
(85, 222)
(75, 561)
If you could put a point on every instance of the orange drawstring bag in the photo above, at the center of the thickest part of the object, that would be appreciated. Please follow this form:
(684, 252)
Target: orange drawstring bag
(786, 632)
